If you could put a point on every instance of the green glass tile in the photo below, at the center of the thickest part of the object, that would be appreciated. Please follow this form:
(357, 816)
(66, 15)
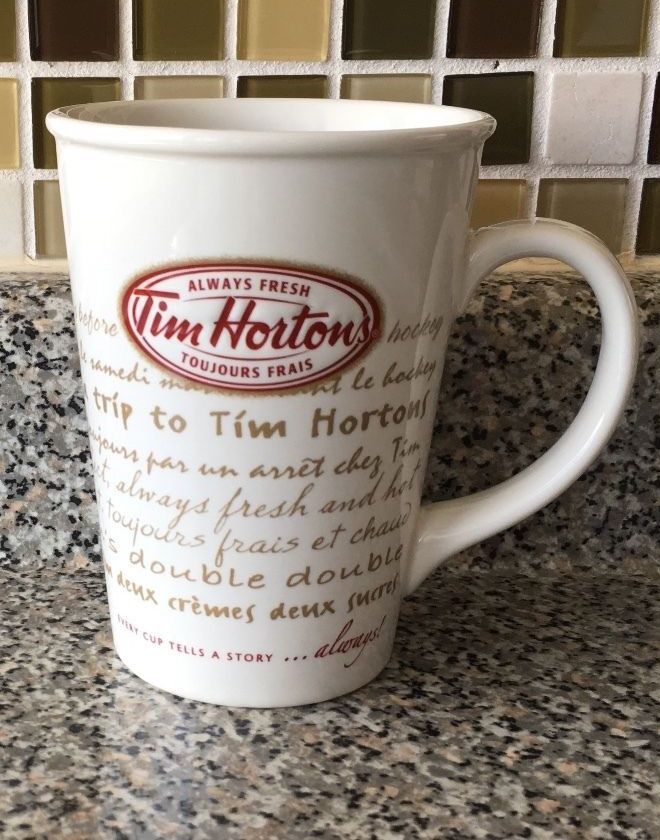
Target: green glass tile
(313, 87)
(648, 235)
(9, 148)
(283, 30)
(394, 87)
(49, 228)
(502, 29)
(601, 27)
(74, 30)
(388, 29)
(506, 96)
(178, 30)
(48, 94)
(7, 30)
(596, 205)
(654, 142)
(498, 201)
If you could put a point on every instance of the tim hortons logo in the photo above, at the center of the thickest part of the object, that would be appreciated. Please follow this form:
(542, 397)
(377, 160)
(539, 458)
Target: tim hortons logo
(250, 327)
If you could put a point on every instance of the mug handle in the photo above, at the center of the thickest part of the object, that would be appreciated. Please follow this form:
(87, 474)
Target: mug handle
(445, 528)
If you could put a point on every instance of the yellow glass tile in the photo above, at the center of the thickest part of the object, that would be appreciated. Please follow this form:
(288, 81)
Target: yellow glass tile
(178, 87)
(178, 30)
(306, 87)
(48, 223)
(498, 201)
(9, 153)
(283, 30)
(7, 30)
(409, 87)
(48, 94)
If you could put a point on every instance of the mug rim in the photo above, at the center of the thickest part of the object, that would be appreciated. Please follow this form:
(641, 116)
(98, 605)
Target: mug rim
(135, 125)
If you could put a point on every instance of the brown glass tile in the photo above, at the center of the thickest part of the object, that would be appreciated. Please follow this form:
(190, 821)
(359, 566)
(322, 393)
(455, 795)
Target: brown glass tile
(283, 30)
(7, 30)
(507, 97)
(601, 27)
(501, 29)
(399, 87)
(595, 204)
(648, 235)
(48, 94)
(74, 30)
(388, 29)
(498, 201)
(9, 148)
(48, 225)
(178, 87)
(178, 30)
(313, 87)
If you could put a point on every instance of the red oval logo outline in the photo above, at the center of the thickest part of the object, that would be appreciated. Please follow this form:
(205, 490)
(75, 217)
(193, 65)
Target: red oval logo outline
(269, 328)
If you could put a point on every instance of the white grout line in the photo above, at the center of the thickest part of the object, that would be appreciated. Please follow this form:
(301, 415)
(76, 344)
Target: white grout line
(440, 63)
(230, 67)
(230, 64)
(541, 103)
(124, 68)
(23, 75)
(335, 63)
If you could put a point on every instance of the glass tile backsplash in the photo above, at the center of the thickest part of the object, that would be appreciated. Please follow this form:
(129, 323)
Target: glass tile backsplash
(597, 205)
(501, 29)
(601, 28)
(7, 30)
(498, 201)
(9, 140)
(648, 241)
(310, 87)
(48, 220)
(74, 30)
(509, 98)
(393, 87)
(177, 30)
(178, 87)
(388, 29)
(48, 94)
(574, 85)
(266, 31)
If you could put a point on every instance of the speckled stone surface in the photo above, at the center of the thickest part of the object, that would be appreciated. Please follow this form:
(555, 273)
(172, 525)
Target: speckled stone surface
(518, 367)
(524, 694)
(512, 708)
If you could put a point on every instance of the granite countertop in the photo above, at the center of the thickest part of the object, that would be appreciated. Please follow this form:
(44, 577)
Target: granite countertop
(523, 696)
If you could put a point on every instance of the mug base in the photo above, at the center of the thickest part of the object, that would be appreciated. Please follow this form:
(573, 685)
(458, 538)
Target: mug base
(230, 697)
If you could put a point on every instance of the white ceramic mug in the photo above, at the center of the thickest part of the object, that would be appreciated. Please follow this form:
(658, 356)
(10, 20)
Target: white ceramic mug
(263, 294)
